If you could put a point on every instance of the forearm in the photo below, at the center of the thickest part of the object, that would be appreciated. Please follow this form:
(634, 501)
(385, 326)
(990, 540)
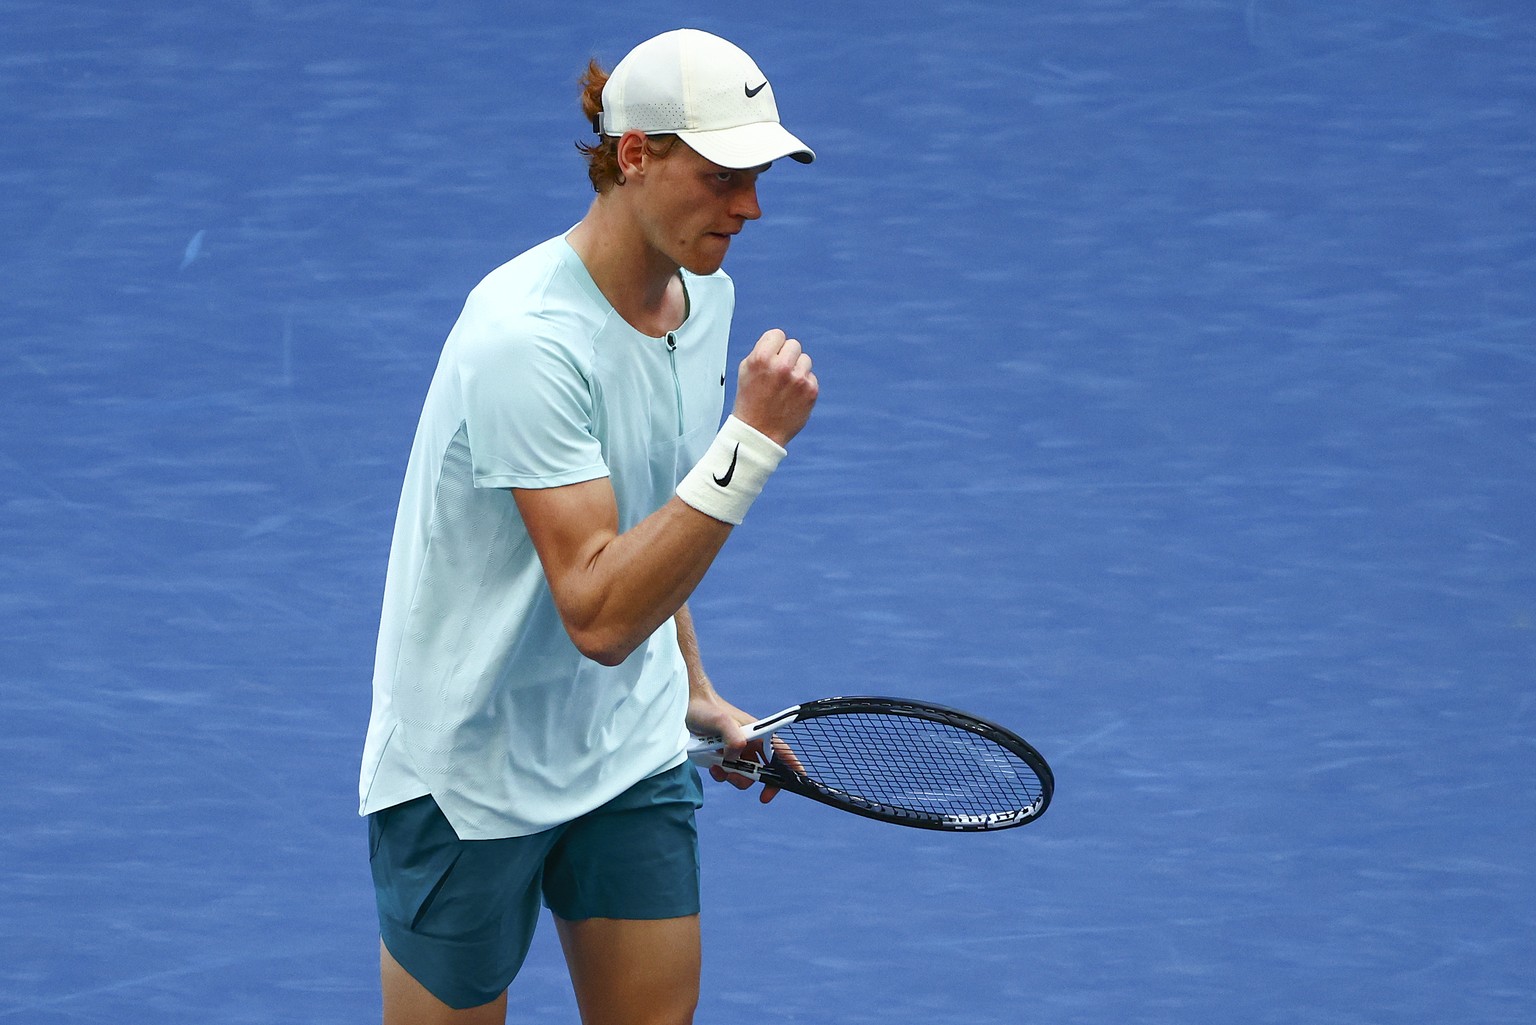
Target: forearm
(710, 715)
(644, 577)
(614, 589)
(699, 685)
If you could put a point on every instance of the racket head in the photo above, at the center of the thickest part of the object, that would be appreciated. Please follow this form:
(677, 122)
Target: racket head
(908, 762)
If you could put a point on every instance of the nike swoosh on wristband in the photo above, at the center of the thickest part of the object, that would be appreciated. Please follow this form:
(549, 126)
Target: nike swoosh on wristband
(751, 92)
(725, 481)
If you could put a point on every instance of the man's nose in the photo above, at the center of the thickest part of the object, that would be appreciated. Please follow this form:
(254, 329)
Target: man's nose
(746, 203)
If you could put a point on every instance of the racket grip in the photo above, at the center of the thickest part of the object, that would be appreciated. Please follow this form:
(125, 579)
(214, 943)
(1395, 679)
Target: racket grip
(752, 770)
(704, 751)
(711, 750)
(707, 752)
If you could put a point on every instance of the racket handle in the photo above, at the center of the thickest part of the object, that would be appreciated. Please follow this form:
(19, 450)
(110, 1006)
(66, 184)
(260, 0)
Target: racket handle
(710, 750)
(701, 752)
(752, 770)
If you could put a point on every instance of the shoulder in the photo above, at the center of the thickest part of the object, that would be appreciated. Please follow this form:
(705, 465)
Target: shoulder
(537, 283)
(528, 305)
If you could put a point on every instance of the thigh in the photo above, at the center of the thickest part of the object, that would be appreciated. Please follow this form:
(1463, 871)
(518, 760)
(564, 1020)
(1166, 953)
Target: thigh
(623, 883)
(408, 1002)
(633, 972)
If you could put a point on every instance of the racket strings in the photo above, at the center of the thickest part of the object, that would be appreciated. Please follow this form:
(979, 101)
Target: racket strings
(910, 764)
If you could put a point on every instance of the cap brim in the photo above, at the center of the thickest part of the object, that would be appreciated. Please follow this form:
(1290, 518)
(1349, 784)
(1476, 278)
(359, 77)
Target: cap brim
(751, 145)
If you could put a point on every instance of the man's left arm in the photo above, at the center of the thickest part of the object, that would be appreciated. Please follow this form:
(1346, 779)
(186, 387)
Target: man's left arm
(711, 715)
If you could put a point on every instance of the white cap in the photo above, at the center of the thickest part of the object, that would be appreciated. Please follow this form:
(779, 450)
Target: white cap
(704, 90)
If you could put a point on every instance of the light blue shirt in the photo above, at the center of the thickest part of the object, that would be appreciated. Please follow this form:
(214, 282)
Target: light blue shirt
(479, 696)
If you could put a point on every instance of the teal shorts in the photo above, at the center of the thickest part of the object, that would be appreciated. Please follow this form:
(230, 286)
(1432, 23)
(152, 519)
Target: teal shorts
(459, 915)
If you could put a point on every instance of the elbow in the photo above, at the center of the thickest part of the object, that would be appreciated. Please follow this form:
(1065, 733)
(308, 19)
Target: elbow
(607, 656)
(604, 647)
(601, 632)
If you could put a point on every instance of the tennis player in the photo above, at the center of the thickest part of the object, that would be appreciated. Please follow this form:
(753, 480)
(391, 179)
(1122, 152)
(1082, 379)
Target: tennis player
(570, 483)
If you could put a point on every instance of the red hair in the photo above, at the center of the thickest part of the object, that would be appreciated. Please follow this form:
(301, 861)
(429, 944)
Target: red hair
(603, 155)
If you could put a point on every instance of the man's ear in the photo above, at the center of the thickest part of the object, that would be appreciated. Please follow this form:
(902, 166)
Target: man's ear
(632, 154)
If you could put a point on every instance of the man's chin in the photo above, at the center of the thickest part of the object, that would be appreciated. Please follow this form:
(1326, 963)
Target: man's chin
(708, 259)
(704, 267)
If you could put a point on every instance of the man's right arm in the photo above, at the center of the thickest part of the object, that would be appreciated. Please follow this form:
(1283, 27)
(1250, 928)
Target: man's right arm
(613, 590)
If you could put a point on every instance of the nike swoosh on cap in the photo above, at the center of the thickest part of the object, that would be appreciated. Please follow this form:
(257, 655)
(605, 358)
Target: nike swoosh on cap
(751, 92)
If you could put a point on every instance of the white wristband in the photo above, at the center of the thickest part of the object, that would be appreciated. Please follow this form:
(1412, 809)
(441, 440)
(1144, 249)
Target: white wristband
(732, 472)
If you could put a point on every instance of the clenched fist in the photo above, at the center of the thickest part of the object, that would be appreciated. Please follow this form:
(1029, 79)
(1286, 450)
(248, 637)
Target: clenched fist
(775, 389)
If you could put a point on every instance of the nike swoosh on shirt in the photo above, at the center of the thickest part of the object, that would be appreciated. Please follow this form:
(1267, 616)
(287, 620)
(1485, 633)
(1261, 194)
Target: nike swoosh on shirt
(725, 481)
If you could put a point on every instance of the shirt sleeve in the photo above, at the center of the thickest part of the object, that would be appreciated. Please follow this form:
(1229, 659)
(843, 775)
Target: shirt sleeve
(528, 409)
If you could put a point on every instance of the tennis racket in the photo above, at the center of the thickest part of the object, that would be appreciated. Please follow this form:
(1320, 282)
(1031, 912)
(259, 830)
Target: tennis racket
(907, 762)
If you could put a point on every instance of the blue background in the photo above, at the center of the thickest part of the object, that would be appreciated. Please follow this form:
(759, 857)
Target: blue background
(1177, 410)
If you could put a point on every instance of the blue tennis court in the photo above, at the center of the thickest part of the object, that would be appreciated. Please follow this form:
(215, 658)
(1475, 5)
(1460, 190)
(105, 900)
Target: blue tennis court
(1179, 411)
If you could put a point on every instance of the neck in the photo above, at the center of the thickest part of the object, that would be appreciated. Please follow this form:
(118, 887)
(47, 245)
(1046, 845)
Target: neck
(640, 283)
